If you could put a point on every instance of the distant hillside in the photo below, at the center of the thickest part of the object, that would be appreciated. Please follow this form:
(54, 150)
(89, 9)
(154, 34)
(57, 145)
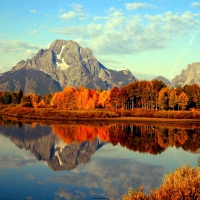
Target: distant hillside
(28, 80)
(144, 76)
(163, 79)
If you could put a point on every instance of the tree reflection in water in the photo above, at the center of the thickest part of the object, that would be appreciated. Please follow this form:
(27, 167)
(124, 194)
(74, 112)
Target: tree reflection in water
(142, 138)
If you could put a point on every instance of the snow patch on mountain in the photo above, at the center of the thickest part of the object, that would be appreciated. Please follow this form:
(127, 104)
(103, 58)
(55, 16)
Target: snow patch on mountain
(60, 62)
(59, 55)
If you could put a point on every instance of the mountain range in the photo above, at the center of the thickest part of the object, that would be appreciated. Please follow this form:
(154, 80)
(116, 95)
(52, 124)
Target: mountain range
(66, 63)
(63, 64)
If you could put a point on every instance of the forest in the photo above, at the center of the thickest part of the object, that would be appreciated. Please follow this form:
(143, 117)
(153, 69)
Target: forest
(149, 95)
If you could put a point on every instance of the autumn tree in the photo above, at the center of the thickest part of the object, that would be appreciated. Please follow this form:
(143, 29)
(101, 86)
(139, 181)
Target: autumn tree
(114, 97)
(163, 98)
(20, 95)
(183, 100)
(41, 104)
(35, 99)
(172, 98)
(47, 99)
(6, 98)
(157, 86)
(197, 96)
(82, 97)
(104, 99)
(26, 101)
(132, 91)
(54, 100)
(123, 97)
(93, 99)
(68, 98)
(192, 93)
(10, 97)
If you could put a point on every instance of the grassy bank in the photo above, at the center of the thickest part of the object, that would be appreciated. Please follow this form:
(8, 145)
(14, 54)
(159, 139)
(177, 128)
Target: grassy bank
(55, 114)
(136, 114)
(170, 114)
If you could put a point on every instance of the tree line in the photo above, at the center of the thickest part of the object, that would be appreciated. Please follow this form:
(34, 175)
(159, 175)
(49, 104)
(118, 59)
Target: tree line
(151, 95)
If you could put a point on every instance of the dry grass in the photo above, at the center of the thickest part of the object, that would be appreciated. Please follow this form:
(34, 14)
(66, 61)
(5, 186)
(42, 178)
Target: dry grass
(195, 114)
(56, 114)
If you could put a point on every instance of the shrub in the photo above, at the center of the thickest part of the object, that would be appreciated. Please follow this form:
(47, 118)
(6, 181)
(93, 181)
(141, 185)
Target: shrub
(183, 183)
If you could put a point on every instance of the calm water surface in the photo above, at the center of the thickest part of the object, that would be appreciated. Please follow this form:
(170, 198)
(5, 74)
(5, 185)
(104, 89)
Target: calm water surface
(90, 161)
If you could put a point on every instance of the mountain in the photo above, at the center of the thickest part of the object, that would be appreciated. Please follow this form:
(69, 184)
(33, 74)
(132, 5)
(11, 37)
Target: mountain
(187, 76)
(28, 80)
(144, 76)
(63, 64)
(163, 79)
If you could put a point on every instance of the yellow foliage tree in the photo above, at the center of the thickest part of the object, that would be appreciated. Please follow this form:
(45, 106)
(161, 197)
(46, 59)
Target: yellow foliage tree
(183, 100)
(163, 98)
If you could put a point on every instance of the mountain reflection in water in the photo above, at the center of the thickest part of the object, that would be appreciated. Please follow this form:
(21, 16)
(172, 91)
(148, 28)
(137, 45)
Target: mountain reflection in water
(65, 146)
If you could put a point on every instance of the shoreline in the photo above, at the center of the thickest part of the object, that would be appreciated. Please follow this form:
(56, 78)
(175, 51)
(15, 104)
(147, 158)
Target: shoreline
(63, 116)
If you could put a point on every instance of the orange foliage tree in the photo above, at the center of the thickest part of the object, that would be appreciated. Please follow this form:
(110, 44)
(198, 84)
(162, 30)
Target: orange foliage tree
(104, 99)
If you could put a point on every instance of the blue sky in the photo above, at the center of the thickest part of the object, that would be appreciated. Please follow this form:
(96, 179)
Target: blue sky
(151, 37)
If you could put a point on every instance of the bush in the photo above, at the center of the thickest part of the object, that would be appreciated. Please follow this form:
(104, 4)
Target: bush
(183, 183)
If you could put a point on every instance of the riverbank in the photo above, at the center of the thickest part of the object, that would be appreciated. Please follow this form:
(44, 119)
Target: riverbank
(136, 115)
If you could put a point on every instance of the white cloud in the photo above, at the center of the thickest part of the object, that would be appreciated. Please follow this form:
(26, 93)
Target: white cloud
(78, 8)
(195, 4)
(85, 31)
(102, 174)
(77, 13)
(61, 10)
(119, 34)
(16, 46)
(33, 11)
(68, 16)
(172, 24)
(100, 18)
(14, 162)
(82, 42)
(32, 31)
(137, 6)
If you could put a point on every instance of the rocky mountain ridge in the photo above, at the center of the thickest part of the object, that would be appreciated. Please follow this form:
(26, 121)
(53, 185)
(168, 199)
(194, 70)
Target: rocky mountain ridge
(66, 63)
(187, 76)
(63, 64)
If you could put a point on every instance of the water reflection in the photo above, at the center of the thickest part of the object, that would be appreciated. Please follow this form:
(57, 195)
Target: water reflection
(94, 160)
(65, 146)
(141, 138)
